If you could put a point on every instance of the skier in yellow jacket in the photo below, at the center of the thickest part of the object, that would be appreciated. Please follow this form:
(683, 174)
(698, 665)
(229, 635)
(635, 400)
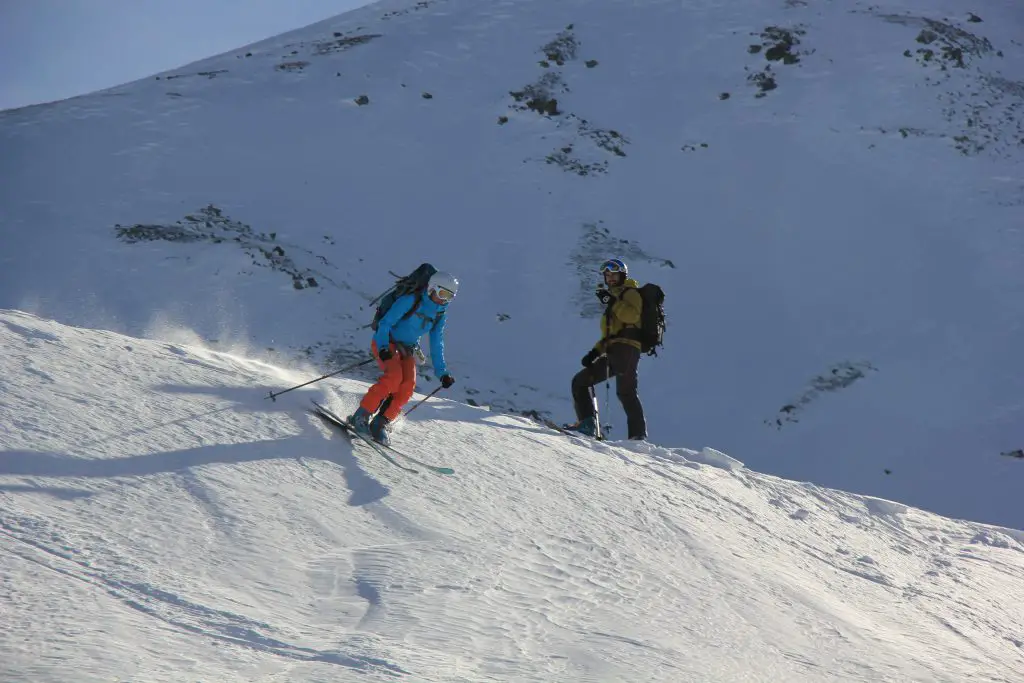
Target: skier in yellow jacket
(616, 354)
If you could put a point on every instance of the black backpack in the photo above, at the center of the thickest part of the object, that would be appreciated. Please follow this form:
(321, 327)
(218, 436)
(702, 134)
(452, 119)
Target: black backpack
(414, 283)
(652, 319)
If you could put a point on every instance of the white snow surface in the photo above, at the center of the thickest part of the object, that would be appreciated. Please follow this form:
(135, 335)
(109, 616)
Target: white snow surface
(847, 244)
(162, 520)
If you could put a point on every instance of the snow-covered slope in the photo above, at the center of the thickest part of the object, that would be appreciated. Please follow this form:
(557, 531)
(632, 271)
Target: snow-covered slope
(830, 194)
(161, 520)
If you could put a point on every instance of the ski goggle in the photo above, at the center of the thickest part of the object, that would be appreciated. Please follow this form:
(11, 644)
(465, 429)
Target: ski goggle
(613, 266)
(444, 294)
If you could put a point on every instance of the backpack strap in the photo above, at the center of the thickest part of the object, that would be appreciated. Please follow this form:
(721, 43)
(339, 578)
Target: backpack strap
(414, 307)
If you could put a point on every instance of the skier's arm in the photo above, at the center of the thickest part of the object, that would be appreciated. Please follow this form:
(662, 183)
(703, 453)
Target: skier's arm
(394, 314)
(627, 309)
(437, 347)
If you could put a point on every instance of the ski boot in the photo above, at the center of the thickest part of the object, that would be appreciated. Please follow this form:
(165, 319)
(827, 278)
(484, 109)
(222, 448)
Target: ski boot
(360, 421)
(379, 430)
(587, 426)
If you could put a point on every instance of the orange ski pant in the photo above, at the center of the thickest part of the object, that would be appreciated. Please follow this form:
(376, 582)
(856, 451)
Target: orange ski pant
(398, 381)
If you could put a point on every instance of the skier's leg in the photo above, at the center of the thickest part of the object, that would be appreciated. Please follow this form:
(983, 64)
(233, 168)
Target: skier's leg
(388, 383)
(581, 383)
(625, 362)
(404, 390)
(583, 401)
(397, 400)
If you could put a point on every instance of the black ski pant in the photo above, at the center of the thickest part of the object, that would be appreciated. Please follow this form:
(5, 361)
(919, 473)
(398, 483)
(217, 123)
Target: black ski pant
(620, 362)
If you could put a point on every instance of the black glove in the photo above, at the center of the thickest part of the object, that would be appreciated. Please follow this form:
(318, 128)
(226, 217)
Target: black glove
(589, 359)
(447, 381)
(385, 353)
(605, 296)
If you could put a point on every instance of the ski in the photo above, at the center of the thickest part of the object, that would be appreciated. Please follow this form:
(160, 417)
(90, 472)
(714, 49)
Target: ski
(438, 469)
(327, 415)
(564, 429)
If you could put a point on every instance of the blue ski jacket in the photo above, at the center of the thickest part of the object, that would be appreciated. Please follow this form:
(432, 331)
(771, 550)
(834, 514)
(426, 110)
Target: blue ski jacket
(391, 328)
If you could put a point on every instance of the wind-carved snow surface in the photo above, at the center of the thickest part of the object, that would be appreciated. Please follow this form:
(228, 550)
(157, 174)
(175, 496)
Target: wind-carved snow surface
(162, 520)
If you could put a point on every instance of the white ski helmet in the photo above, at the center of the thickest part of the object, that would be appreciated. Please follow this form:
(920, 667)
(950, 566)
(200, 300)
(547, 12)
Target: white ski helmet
(444, 285)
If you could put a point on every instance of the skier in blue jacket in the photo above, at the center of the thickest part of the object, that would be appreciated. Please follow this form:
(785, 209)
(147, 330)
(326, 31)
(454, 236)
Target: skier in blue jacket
(396, 346)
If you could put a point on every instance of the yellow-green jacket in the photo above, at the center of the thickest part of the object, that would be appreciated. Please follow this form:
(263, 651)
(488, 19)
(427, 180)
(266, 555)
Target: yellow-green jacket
(623, 317)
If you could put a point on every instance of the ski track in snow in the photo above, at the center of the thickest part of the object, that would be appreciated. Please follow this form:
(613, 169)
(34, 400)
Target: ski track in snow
(160, 519)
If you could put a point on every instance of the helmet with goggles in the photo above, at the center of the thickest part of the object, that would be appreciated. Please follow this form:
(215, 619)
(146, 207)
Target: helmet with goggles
(443, 285)
(614, 265)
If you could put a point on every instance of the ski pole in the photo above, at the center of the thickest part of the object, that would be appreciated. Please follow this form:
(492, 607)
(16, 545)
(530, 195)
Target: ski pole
(422, 400)
(273, 397)
(607, 391)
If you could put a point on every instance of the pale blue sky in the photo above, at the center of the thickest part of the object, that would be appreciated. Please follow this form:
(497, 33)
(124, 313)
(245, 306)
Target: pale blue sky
(54, 49)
